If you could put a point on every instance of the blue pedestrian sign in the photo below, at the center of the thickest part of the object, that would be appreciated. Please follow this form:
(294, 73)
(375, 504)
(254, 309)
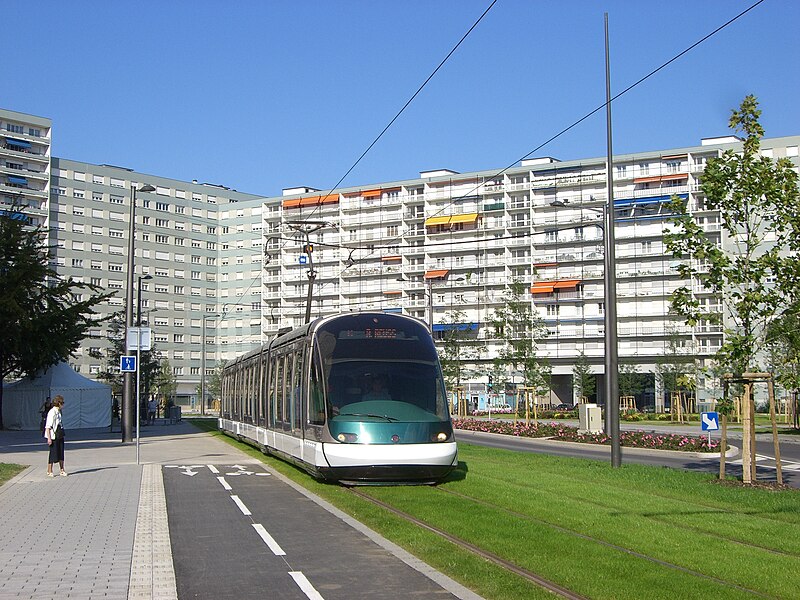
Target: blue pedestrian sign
(709, 421)
(127, 364)
(303, 259)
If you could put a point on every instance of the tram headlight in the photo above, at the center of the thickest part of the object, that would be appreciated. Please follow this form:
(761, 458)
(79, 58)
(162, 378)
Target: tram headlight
(440, 437)
(347, 438)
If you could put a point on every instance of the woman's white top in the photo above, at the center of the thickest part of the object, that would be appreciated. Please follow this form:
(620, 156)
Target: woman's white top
(53, 421)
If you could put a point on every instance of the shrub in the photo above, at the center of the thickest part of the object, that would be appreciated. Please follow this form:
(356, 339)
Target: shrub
(559, 431)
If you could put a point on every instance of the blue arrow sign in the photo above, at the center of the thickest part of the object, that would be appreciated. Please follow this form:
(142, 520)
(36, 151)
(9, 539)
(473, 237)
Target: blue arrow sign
(127, 364)
(709, 421)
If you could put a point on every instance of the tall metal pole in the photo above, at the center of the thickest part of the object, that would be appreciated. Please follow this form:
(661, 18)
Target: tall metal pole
(610, 289)
(430, 305)
(203, 370)
(138, 360)
(127, 385)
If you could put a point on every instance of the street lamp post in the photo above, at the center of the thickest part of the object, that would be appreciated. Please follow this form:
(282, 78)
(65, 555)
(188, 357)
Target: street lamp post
(610, 309)
(127, 386)
(611, 359)
(139, 356)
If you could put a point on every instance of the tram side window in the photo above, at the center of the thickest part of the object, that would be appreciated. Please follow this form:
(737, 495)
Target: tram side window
(273, 375)
(316, 399)
(279, 388)
(262, 388)
(297, 387)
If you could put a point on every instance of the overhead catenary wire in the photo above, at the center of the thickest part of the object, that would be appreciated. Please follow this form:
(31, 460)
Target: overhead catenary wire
(555, 136)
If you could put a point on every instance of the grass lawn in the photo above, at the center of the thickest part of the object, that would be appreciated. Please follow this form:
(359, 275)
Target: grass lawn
(7, 471)
(634, 532)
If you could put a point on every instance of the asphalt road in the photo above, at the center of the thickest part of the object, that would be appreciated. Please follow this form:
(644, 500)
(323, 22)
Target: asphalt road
(242, 533)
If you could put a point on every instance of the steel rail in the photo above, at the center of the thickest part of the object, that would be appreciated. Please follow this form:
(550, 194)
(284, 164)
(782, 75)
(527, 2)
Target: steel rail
(493, 558)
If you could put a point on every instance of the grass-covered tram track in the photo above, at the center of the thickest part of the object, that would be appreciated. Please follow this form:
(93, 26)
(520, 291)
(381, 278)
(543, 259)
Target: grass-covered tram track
(635, 532)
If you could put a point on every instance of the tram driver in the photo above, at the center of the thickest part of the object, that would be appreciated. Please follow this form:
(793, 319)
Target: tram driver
(376, 388)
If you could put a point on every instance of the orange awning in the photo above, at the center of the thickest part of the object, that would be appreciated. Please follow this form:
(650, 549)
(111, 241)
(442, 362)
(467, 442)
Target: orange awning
(390, 292)
(661, 178)
(311, 201)
(566, 284)
(371, 194)
(387, 258)
(437, 274)
(542, 287)
(542, 265)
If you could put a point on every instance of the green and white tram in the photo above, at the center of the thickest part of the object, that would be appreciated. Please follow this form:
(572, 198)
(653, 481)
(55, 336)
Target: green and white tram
(357, 398)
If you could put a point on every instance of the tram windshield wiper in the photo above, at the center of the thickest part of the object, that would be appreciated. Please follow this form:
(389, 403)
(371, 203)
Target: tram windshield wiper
(386, 417)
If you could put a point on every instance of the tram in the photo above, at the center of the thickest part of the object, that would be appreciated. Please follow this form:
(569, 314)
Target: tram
(356, 398)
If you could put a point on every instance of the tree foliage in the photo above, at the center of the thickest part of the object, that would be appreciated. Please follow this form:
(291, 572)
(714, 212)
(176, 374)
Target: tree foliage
(583, 378)
(455, 350)
(631, 381)
(44, 317)
(149, 362)
(757, 198)
(518, 327)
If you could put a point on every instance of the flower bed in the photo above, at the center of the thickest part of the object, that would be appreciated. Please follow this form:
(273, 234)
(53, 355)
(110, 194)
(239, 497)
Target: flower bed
(558, 431)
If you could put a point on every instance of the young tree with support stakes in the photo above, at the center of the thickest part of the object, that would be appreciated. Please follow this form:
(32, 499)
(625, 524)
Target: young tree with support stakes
(754, 270)
(455, 350)
(518, 327)
(44, 317)
(583, 379)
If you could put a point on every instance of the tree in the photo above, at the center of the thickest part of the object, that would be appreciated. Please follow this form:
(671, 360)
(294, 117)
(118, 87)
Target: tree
(631, 381)
(582, 378)
(754, 268)
(165, 382)
(44, 317)
(454, 350)
(149, 363)
(214, 383)
(518, 327)
(757, 199)
(783, 339)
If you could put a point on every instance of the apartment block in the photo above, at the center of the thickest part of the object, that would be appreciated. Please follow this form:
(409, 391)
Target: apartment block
(25, 166)
(229, 269)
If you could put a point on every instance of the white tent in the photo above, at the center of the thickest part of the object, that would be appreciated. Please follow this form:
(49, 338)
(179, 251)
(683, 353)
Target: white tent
(87, 403)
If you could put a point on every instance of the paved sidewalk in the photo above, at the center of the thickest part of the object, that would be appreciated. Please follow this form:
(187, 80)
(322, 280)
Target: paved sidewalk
(102, 531)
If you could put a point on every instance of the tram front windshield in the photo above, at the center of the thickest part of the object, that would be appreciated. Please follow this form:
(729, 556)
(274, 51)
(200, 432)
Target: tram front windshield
(382, 367)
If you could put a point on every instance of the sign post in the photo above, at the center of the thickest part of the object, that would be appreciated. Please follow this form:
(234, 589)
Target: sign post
(138, 339)
(709, 421)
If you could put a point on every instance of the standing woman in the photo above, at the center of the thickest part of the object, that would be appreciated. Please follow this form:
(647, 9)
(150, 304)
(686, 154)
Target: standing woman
(54, 432)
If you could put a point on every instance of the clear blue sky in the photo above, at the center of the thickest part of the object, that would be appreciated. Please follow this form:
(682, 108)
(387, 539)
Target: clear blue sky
(260, 95)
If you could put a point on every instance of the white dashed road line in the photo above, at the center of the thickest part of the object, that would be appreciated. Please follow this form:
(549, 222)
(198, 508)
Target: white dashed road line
(245, 511)
(213, 469)
(224, 483)
(268, 540)
(305, 585)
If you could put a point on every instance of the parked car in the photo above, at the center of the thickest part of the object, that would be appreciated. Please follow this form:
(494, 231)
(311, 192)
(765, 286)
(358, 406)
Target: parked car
(562, 407)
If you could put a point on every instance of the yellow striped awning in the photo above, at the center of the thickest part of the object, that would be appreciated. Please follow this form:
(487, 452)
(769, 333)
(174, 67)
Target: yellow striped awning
(430, 222)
